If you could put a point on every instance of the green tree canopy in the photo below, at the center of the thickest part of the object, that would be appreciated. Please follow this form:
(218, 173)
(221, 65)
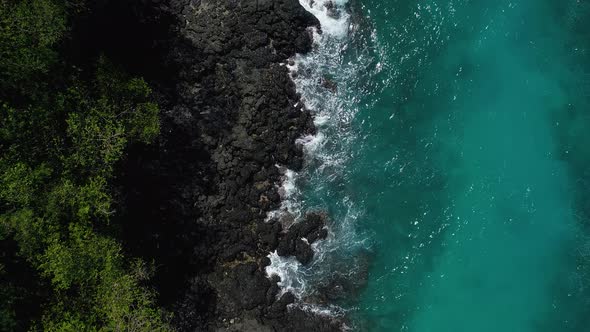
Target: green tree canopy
(62, 131)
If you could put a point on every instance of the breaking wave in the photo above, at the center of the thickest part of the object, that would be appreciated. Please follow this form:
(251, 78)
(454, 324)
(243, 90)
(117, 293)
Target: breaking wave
(326, 79)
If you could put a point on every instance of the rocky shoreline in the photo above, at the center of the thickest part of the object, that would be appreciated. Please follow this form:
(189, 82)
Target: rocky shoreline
(199, 198)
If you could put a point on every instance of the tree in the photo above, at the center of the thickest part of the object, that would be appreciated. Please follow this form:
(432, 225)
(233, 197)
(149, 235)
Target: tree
(61, 137)
(28, 31)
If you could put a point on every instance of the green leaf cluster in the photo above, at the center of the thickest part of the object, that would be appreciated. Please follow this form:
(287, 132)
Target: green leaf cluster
(62, 132)
(28, 31)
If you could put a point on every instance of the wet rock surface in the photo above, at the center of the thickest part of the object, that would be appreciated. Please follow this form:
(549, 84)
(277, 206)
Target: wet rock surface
(298, 238)
(198, 198)
(329, 84)
(332, 10)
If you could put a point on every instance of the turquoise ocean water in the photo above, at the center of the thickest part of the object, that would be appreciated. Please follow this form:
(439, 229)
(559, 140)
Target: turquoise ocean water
(454, 162)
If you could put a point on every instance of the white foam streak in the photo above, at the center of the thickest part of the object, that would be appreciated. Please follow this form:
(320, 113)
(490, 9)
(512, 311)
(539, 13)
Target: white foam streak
(333, 19)
(325, 152)
(288, 192)
(311, 143)
(287, 269)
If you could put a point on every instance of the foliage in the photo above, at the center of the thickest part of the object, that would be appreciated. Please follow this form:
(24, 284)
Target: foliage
(62, 131)
(28, 31)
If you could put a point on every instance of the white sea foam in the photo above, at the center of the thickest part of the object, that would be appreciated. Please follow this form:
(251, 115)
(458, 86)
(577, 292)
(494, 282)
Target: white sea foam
(325, 152)
(288, 192)
(320, 120)
(322, 310)
(289, 184)
(287, 269)
(333, 19)
(311, 143)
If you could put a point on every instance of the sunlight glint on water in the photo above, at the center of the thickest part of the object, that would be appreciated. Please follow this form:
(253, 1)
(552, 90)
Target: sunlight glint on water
(453, 162)
(464, 185)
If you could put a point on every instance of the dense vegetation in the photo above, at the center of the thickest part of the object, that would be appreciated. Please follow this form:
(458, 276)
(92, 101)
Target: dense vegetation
(64, 126)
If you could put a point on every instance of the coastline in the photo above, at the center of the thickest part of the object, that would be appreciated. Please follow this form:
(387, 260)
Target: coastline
(226, 275)
(294, 165)
(231, 115)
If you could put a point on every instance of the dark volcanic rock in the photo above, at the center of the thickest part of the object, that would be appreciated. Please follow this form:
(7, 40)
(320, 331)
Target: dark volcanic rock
(333, 11)
(298, 319)
(279, 308)
(328, 84)
(298, 238)
(198, 198)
